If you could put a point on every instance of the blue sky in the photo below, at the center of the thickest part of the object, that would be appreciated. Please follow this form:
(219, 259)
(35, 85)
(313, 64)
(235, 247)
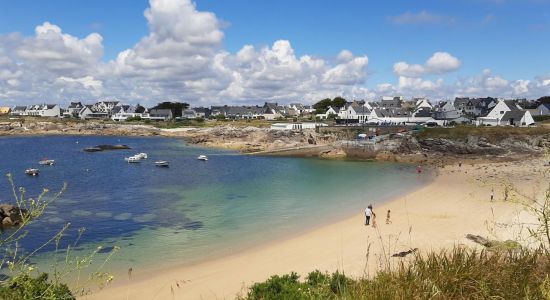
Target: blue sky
(509, 37)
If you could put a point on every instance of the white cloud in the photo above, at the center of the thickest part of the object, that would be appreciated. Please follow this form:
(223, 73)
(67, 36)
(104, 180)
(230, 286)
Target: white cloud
(182, 58)
(438, 63)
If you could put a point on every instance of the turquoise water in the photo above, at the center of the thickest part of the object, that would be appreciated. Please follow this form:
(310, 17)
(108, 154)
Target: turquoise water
(193, 210)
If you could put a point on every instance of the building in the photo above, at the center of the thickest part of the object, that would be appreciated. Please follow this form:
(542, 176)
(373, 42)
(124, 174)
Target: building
(542, 110)
(506, 113)
(73, 110)
(5, 110)
(295, 126)
(44, 110)
(123, 112)
(104, 107)
(157, 114)
(273, 111)
(19, 111)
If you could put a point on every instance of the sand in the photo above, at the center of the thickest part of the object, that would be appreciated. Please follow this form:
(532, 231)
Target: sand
(433, 217)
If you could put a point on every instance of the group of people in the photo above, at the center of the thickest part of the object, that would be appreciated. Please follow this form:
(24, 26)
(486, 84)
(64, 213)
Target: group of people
(370, 215)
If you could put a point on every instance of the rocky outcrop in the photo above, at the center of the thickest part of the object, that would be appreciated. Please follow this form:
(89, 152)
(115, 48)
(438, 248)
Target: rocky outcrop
(37, 127)
(11, 215)
(333, 154)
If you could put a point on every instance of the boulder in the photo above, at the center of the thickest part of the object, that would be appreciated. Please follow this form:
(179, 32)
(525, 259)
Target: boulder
(12, 213)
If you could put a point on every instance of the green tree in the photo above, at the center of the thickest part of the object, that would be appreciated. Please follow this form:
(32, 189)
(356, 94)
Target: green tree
(140, 109)
(322, 106)
(339, 102)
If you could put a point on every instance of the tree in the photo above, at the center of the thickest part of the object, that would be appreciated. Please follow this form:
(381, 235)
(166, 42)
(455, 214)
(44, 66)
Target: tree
(339, 102)
(140, 109)
(543, 100)
(176, 107)
(322, 106)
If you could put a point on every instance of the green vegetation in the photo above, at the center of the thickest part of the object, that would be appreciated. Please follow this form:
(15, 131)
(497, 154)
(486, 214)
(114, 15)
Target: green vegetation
(21, 280)
(322, 106)
(133, 119)
(458, 274)
(492, 134)
(541, 118)
(26, 287)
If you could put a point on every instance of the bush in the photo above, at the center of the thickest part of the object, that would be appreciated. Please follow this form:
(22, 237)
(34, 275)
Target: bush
(458, 274)
(541, 118)
(26, 287)
(133, 119)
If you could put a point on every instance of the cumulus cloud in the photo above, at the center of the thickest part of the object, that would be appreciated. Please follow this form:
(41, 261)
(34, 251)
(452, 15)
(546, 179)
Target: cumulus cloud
(422, 17)
(438, 63)
(182, 58)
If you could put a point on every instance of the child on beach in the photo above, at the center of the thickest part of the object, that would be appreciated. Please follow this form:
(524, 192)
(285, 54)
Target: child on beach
(388, 221)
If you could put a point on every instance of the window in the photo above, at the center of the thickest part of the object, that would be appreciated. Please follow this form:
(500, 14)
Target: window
(501, 112)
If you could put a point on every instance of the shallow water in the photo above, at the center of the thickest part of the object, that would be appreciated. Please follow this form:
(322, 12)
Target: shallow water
(192, 210)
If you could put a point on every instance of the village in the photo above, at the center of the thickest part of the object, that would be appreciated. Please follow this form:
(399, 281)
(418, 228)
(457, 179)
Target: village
(386, 111)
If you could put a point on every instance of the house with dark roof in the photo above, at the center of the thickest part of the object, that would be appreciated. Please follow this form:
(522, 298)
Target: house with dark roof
(19, 111)
(542, 110)
(43, 110)
(506, 113)
(73, 109)
(159, 114)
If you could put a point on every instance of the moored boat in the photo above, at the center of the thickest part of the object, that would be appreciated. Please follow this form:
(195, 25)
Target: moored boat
(133, 159)
(32, 172)
(46, 162)
(202, 157)
(141, 155)
(162, 163)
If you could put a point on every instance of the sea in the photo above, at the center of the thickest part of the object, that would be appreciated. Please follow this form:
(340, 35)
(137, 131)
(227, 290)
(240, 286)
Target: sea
(190, 212)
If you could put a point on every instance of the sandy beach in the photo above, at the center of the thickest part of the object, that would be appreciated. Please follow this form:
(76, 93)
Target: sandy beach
(435, 216)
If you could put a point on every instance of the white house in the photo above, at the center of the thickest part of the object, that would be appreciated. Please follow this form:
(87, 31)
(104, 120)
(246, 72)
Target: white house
(423, 103)
(19, 111)
(330, 111)
(295, 126)
(73, 109)
(44, 110)
(355, 111)
(104, 106)
(85, 112)
(506, 113)
(123, 112)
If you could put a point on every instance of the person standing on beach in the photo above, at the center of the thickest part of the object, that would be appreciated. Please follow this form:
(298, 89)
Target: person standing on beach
(388, 220)
(492, 194)
(368, 214)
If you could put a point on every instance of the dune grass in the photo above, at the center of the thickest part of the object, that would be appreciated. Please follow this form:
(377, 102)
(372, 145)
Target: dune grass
(457, 274)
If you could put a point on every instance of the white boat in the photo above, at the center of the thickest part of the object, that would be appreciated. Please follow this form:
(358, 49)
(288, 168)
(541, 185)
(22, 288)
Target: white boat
(162, 163)
(46, 162)
(32, 172)
(202, 157)
(133, 159)
(141, 155)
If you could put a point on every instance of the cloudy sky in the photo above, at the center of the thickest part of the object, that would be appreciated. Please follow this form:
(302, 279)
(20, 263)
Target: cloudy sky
(246, 52)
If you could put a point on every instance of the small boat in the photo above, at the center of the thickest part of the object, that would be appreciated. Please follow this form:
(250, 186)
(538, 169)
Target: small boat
(202, 157)
(162, 163)
(93, 149)
(141, 155)
(32, 172)
(46, 162)
(132, 159)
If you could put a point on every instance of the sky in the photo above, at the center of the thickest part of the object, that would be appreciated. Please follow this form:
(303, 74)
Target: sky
(210, 52)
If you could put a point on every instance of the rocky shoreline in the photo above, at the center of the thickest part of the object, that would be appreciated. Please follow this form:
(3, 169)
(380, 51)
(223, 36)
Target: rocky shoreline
(309, 143)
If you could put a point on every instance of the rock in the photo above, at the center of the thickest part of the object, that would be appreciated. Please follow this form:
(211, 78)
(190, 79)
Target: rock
(333, 154)
(7, 222)
(12, 213)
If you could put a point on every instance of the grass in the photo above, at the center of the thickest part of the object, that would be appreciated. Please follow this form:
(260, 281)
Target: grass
(458, 274)
(490, 133)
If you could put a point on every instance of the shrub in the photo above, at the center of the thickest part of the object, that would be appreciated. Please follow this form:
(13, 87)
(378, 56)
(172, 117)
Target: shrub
(26, 287)
(457, 274)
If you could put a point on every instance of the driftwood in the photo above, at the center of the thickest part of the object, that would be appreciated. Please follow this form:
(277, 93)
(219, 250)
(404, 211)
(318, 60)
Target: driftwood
(404, 253)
